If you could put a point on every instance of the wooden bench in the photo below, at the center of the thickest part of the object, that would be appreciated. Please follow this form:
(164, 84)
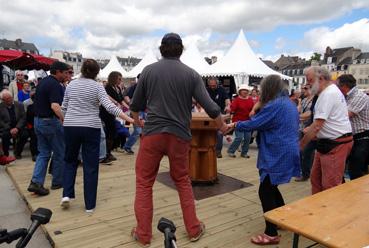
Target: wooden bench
(338, 217)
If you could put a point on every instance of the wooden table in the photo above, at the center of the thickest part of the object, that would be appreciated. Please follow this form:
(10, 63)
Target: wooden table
(338, 217)
(203, 161)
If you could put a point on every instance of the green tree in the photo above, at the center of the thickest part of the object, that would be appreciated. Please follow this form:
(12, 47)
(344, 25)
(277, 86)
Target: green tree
(316, 57)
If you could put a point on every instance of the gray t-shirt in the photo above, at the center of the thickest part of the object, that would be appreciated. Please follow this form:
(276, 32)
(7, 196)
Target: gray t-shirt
(165, 89)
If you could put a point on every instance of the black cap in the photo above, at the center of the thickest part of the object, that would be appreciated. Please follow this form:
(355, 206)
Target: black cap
(171, 38)
(59, 66)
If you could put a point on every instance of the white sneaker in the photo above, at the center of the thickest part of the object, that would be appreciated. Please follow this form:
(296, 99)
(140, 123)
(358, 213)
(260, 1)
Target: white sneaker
(90, 211)
(65, 202)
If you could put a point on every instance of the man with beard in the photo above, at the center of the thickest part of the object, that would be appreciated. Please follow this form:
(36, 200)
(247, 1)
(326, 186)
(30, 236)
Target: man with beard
(332, 128)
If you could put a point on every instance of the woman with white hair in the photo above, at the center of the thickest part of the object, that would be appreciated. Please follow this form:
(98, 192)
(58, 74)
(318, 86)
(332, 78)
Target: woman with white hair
(277, 123)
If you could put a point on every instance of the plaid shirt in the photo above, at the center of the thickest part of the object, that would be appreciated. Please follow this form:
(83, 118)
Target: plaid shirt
(358, 103)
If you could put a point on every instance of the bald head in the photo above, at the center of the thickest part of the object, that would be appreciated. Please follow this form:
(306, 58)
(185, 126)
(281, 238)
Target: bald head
(6, 97)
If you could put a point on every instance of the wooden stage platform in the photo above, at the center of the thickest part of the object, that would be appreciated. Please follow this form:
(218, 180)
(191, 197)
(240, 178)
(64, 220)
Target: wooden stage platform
(231, 218)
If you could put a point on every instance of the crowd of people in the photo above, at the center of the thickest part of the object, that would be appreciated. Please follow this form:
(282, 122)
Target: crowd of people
(317, 133)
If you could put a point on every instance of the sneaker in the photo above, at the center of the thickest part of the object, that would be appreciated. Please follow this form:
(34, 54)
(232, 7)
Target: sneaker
(34, 158)
(37, 189)
(105, 161)
(56, 186)
(219, 155)
(199, 235)
(301, 179)
(120, 150)
(129, 151)
(65, 203)
(90, 211)
(245, 156)
(135, 238)
(231, 155)
(111, 157)
(4, 160)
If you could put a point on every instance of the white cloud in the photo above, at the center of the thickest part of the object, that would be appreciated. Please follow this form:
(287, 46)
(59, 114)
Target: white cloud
(280, 43)
(127, 27)
(351, 34)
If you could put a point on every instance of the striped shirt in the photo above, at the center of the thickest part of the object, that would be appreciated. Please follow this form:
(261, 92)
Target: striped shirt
(358, 103)
(81, 103)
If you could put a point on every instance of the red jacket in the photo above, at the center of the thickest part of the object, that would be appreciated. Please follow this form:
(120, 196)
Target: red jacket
(241, 108)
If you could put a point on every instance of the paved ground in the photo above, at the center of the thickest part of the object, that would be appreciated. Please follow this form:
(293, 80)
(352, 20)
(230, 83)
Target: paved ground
(15, 214)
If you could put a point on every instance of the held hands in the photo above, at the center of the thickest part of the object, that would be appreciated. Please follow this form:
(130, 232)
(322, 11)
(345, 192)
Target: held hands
(226, 128)
(139, 123)
(14, 132)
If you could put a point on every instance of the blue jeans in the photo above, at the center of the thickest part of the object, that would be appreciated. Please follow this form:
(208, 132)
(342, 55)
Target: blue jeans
(132, 139)
(239, 136)
(50, 138)
(89, 139)
(102, 152)
(219, 144)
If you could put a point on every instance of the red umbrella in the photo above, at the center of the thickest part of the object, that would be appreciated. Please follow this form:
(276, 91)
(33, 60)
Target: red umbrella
(18, 60)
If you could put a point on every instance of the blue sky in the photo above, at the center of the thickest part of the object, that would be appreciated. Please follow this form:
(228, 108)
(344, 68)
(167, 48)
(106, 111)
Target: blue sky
(295, 33)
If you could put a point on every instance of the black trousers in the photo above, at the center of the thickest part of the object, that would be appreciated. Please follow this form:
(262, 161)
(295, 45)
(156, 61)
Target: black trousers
(270, 198)
(358, 159)
(18, 142)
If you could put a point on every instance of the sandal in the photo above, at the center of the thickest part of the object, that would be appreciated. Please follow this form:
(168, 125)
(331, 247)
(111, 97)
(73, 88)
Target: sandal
(264, 239)
(135, 238)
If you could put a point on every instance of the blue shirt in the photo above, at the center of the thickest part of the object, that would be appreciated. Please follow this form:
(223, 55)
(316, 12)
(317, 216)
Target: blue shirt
(277, 124)
(48, 91)
(23, 96)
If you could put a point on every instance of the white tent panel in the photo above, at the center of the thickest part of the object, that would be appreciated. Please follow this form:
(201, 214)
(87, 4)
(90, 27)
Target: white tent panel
(241, 60)
(148, 59)
(113, 65)
(192, 58)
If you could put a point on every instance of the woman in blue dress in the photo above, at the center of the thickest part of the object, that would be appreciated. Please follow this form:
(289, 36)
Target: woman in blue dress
(277, 123)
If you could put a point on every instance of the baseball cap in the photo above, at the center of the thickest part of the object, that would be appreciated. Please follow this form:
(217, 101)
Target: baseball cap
(171, 38)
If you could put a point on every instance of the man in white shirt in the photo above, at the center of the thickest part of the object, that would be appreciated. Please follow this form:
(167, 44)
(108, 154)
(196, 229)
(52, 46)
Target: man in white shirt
(332, 129)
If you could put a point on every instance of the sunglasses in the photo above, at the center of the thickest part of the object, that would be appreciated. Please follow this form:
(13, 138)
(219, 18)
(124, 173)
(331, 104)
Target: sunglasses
(71, 72)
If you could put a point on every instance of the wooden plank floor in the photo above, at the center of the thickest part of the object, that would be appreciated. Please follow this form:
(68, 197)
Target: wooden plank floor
(231, 219)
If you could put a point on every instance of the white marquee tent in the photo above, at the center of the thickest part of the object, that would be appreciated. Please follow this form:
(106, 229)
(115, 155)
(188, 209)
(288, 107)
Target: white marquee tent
(241, 62)
(149, 58)
(113, 65)
(192, 57)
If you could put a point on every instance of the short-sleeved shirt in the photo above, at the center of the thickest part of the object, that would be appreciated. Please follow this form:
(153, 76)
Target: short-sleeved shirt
(166, 89)
(218, 95)
(358, 103)
(48, 91)
(331, 107)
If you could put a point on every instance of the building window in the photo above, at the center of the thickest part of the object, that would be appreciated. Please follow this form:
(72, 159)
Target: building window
(366, 81)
